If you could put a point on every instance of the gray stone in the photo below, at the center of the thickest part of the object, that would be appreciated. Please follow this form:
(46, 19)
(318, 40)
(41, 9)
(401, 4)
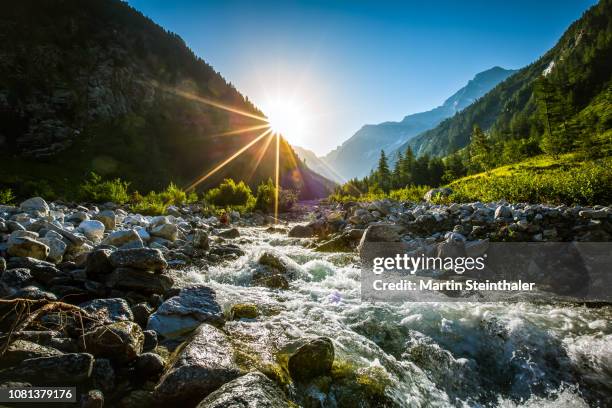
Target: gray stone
(122, 237)
(35, 205)
(253, 390)
(165, 231)
(503, 212)
(113, 309)
(436, 193)
(141, 312)
(139, 258)
(57, 249)
(2, 265)
(120, 341)
(150, 340)
(301, 231)
(28, 247)
(149, 365)
(14, 279)
(98, 264)
(70, 368)
(107, 218)
(139, 280)
(204, 365)
(92, 229)
(20, 350)
(229, 233)
(311, 360)
(181, 314)
(200, 239)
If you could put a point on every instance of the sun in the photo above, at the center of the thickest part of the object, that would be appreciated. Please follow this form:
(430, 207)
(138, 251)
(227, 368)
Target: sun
(286, 119)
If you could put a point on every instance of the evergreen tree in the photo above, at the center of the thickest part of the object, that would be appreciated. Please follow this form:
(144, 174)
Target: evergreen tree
(408, 167)
(383, 173)
(397, 179)
(480, 150)
(554, 110)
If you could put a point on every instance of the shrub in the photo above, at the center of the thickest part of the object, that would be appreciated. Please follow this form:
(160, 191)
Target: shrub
(409, 193)
(99, 191)
(6, 196)
(266, 196)
(157, 203)
(230, 194)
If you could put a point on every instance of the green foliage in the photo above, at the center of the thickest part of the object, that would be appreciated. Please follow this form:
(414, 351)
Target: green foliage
(100, 191)
(410, 193)
(480, 150)
(383, 175)
(230, 194)
(265, 198)
(156, 203)
(6, 196)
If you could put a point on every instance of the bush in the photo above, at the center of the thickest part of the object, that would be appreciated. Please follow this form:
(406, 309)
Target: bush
(157, 203)
(6, 196)
(410, 193)
(100, 191)
(230, 194)
(266, 196)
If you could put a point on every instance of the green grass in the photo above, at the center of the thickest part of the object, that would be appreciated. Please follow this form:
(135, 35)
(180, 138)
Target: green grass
(411, 193)
(563, 180)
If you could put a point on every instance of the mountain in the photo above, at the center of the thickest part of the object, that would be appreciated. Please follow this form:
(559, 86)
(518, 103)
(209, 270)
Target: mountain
(317, 164)
(96, 86)
(577, 70)
(370, 139)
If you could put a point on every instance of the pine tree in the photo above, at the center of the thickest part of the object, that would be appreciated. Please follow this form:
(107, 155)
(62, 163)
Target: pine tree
(408, 167)
(396, 179)
(383, 173)
(480, 150)
(554, 110)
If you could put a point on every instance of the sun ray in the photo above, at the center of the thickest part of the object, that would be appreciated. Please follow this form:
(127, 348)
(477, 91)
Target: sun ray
(226, 161)
(276, 178)
(243, 130)
(207, 101)
(262, 153)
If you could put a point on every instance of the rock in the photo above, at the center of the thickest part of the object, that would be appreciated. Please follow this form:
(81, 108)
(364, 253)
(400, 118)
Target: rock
(503, 212)
(200, 239)
(28, 247)
(113, 309)
(205, 364)
(78, 217)
(74, 240)
(183, 313)
(2, 265)
(159, 220)
(139, 280)
(14, 279)
(92, 399)
(244, 311)
(272, 281)
(150, 340)
(149, 366)
(593, 214)
(165, 231)
(252, 390)
(381, 233)
(20, 350)
(272, 261)
(121, 341)
(35, 205)
(107, 218)
(138, 399)
(93, 230)
(33, 293)
(57, 249)
(313, 359)
(475, 249)
(70, 368)
(437, 193)
(229, 233)
(301, 231)
(14, 226)
(141, 312)
(103, 375)
(340, 243)
(122, 237)
(98, 264)
(139, 258)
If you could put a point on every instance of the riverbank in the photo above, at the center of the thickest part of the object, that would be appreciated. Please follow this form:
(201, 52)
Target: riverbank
(139, 310)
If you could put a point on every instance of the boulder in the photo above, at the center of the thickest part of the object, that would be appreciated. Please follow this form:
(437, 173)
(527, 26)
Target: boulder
(183, 313)
(503, 212)
(437, 193)
(20, 350)
(301, 231)
(141, 312)
(113, 309)
(107, 218)
(253, 390)
(200, 239)
(204, 365)
(122, 237)
(70, 368)
(14, 279)
(149, 366)
(311, 360)
(376, 234)
(150, 340)
(103, 375)
(165, 231)
(272, 261)
(139, 280)
(28, 247)
(2, 265)
(120, 341)
(35, 205)
(244, 311)
(229, 233)
(42, 271)
(92, 229)
(98, 264)
(139, 258)
(57, 249)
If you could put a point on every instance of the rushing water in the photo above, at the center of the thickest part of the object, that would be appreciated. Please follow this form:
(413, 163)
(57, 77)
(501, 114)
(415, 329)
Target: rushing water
(430, 354)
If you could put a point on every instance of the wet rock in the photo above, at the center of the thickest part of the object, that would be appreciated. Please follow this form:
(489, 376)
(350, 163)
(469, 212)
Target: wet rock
(35, 205)
(98, 264)
(20, 350)
(121, 341)
(244, 311)
(381, 233)
(183, 313)
(340, 243)
(301, 231)
(27, 247)
(71, 368)
(253, 390)
(93, 230)
(229, 233)
(313, 359)
(107, 218)
(271, 281)
(165, 231)
(92, 399)
(205, 364)
(122, 237)
(113, 309)
(139, 258)
(103, 375)
(272, 261)
(139, 280)
(200, 239)
(149, 366)
(437, 193)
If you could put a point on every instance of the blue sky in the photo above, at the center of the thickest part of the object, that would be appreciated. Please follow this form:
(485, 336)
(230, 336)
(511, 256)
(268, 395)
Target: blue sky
(344, 63)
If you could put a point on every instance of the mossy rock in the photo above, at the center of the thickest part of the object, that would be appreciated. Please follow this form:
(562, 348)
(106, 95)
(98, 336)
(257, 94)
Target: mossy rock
(244, 311)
